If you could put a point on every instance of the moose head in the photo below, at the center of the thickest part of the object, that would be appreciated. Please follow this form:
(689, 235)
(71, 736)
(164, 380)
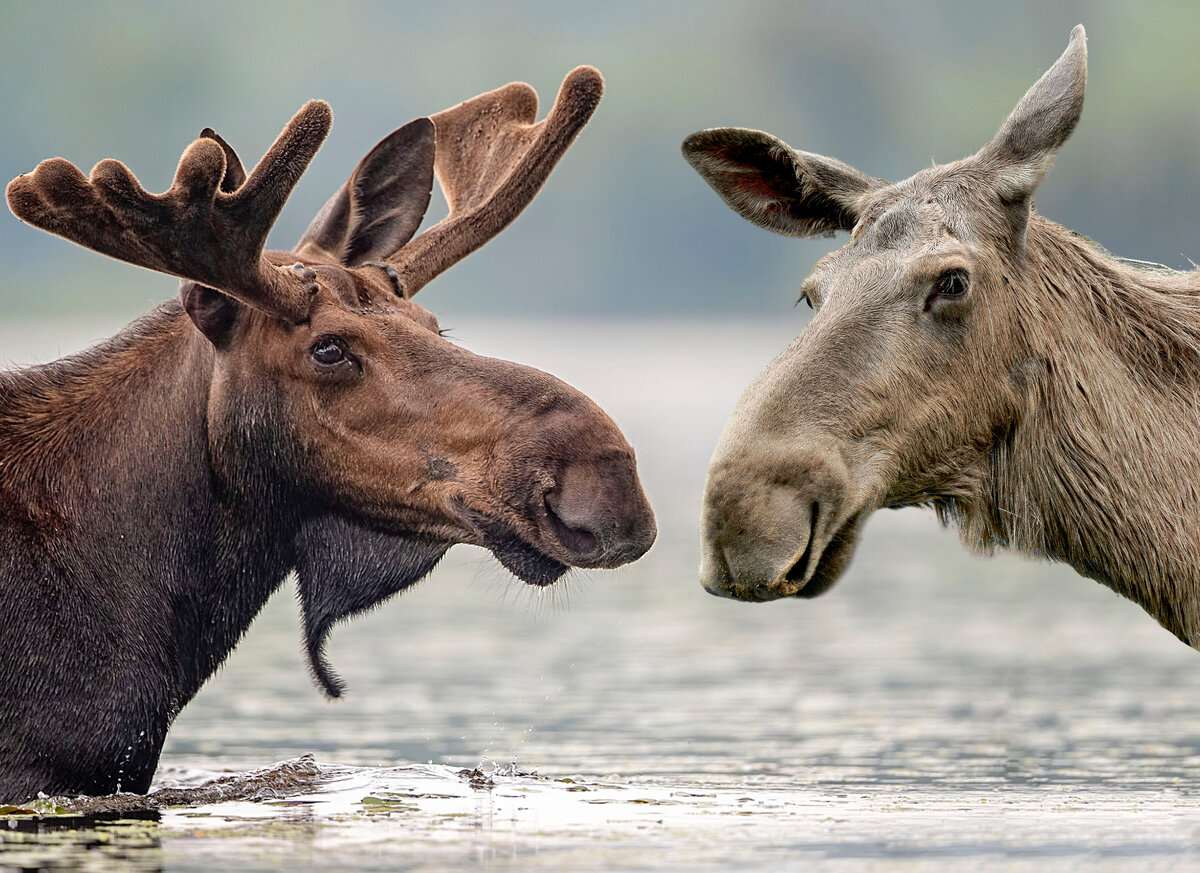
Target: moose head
(965, 353)
(327, 387)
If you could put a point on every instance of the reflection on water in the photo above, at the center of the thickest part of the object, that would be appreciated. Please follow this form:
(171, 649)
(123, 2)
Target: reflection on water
(934, 710)
(76, 842)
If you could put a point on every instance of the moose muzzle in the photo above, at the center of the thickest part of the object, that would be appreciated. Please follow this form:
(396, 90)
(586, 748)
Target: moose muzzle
(775, 522)
(599, 513)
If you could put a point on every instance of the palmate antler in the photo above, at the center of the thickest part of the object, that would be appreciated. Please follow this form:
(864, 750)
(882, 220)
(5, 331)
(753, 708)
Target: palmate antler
(211, 225)
(198, 229)
(491, 159)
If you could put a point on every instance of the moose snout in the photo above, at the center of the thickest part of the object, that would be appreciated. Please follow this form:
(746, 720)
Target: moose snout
(772, 532)
(599, 514)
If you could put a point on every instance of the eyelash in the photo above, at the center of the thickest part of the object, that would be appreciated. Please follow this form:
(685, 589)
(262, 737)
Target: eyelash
(953, 283)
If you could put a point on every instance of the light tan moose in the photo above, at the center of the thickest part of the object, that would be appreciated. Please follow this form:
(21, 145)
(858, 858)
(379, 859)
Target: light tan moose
(967, 354)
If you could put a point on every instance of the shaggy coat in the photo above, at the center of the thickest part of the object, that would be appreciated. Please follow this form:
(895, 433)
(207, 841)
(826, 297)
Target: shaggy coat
(292, 411)
(968, 354)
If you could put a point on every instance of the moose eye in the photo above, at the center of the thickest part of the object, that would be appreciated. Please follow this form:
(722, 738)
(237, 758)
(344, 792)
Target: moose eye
(328, 352)
(953, 283)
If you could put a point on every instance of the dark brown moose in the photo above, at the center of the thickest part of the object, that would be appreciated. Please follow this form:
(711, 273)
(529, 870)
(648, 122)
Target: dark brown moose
(968, 354)
(290, 411)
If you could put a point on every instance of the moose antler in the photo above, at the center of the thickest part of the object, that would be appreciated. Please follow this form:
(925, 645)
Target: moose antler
(235, 174)
(197, 229)
(491, 159)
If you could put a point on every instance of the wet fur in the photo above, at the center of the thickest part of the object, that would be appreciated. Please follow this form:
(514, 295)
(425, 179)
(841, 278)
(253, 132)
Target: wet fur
(156, 489)
(144, 581)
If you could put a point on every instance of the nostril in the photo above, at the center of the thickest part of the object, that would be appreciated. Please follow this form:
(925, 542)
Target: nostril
(798, 572)
(578, 539)
(595, 509)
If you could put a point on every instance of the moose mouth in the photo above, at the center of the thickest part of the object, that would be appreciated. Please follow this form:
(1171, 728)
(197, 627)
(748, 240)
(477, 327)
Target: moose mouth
(515, 554)
(811, 573)
(831, 563)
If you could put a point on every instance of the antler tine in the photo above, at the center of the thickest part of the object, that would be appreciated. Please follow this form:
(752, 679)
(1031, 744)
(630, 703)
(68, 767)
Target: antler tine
(491, 159)
(235, 174)
(195, 230)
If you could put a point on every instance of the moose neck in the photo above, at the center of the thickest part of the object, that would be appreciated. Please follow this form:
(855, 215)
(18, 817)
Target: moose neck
(1101, 468)
(106, 477)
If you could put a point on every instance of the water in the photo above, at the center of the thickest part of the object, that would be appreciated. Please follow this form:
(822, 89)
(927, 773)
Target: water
(934, 711)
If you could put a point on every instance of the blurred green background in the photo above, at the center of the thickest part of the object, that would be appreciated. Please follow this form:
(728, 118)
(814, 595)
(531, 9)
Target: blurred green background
(624, 227)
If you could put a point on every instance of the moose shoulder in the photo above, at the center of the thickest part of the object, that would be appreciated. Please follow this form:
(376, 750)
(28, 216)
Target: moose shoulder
(291, 411)
(969, 354)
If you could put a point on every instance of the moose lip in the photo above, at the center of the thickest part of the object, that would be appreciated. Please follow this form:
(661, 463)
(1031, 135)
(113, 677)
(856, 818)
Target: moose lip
(517, 555)
(833, 560)
(797, 574)
(801, 580)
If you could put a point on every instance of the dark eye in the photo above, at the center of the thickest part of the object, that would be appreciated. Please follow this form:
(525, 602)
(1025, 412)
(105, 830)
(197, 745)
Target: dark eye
(953, 283)
(328, 351)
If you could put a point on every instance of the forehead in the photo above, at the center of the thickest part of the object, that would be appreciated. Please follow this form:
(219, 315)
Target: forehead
(927, 215)
(368, 290)
(913, 212)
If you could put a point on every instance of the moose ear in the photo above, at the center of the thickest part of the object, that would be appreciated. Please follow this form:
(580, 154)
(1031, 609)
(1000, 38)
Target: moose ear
(213, 313)
(381, 206)
(345, 568)
(767, 182)
(1023, 149)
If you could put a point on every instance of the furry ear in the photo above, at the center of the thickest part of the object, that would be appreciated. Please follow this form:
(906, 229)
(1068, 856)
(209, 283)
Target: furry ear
(211, 311)
(344, 569)
(381, 206)
(1024, 147)
(767, 182)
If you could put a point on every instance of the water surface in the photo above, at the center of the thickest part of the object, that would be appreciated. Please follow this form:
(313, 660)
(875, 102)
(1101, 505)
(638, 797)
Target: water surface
(933, 711)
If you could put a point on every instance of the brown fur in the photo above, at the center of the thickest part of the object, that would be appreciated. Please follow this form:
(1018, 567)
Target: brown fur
(966, 354)
(292, 411)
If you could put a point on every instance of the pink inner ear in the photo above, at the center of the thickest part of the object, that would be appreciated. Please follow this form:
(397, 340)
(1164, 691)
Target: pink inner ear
(759, 187)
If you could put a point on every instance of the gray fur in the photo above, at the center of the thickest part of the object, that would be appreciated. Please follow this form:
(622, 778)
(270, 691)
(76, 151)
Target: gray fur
(1051, 404)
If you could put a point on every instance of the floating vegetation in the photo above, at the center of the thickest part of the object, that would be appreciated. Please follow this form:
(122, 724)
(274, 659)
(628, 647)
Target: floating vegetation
(388, 803)
(288, 778)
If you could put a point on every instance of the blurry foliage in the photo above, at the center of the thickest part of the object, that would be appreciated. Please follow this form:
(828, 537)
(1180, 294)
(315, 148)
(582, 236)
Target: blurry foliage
(623, 226)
